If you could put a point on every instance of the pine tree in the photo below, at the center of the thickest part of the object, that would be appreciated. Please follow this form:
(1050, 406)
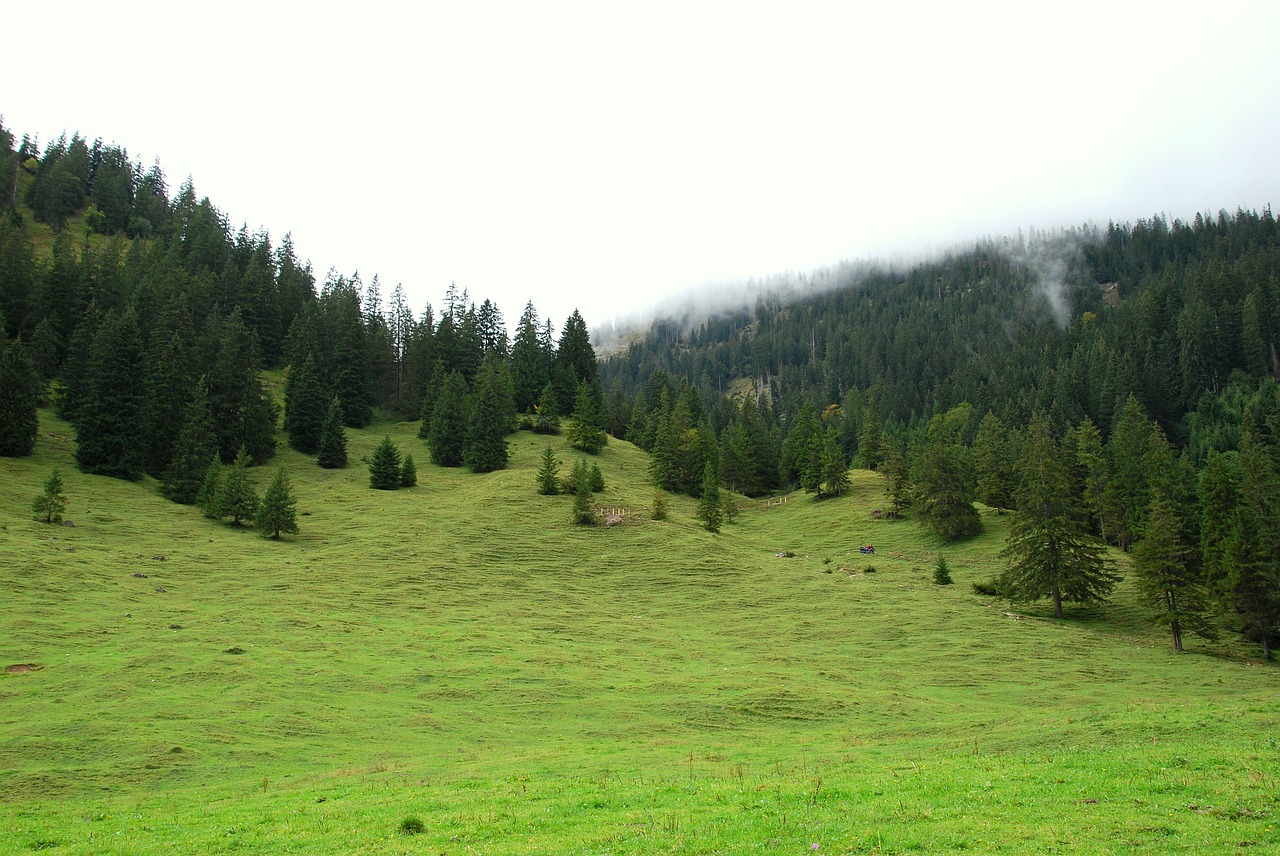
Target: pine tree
(332, 452)
(585, 433)
(209, 497)
(489, 423)
(1219, 495)
(1127, 492)
(449, 421)
(942, 573)
(1049, 551)
(549, 474)
(1166, 575)
(583, 513)
(835, 472)
(48, 507)
(237, 497)
(993, 465)
(660, 508)
(196, 444)
(942, 492)
(111, 437)
(1252, 584)
(305, 406)
(709, 501)
(20, 389)
(278, 512)
(596, 478)
(548, 418)
(384, 466)
(408, 472)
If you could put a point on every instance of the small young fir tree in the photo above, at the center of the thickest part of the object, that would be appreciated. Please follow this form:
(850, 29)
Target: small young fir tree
(48, 507)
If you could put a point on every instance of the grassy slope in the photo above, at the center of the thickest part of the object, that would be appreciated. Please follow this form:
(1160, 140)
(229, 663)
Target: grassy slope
(460, 652)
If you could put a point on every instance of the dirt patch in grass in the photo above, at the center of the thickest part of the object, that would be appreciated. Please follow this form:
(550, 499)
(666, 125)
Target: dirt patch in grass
(17, 668)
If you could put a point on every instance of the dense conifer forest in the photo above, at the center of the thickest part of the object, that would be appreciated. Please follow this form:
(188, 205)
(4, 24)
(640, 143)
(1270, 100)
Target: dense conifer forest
(1111, 386)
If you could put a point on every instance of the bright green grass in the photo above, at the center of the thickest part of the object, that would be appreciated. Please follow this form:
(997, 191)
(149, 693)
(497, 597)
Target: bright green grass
(461, 653)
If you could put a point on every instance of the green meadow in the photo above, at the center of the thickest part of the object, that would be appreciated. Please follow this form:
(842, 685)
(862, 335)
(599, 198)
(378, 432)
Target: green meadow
(456, 668)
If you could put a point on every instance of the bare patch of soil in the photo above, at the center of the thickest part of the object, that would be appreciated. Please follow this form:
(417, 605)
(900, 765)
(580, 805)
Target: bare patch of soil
(23, 667)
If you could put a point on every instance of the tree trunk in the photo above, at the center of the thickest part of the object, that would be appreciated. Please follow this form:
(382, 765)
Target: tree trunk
(1177, 636)
(1057, 601)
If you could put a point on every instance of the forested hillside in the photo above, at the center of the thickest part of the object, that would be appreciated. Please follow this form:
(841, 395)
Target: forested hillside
(150, 320)
(1145, 353)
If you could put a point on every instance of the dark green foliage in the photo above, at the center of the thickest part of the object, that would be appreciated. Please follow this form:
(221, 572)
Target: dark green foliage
(993, 464)
(583, 512)
(660, 510)
(834, 471)
(305, 407)
(412, 826)
(575, 363)
(1165, 572)
(408, 472)
(278, 512)
(48, 507)
(1252, 550)
(237, 497)
(549, 474)
(384, 466)
(196, 443)
(709, 501)
(111, 435)
(1049, 551)
(586, 433)
(942, 573)
(490, 421)
(530, 363)
(450, 418)
(209, 497)
(596, 478)
(942, 488)
(548, 416)
(20, 390)
(332, 451)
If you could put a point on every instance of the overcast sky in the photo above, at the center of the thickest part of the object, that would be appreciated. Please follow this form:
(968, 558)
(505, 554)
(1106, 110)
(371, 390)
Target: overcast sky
(605, 155)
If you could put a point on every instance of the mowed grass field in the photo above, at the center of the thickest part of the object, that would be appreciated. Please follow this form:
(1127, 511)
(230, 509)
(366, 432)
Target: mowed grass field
(461, 654)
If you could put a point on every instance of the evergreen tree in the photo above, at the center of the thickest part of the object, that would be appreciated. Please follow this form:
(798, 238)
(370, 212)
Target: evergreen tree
(870, 437)
(897, 487)
(575, 362)
(111, 436)
(709, 501)
(305, 407)
(583, 513)
(237, 497)
(660, 509)
(384, 466)
(1096, 469)
(429, 398)
(332, 451)
(19, 401)
(596, 478)
(449, 422)
(1127, 492)
(209, 497)
(585, 433)
(941, 489)
(490, 422)
(548, 418)
(48, 507)
(1252, 584)
(1049, 551)
(1165, 574)
(530, 365)
(992, 463)
(196, 443)
(408, 472)
(278, 513)
(549, 474)
(942, 573)
(835, 472)
(1219, 495)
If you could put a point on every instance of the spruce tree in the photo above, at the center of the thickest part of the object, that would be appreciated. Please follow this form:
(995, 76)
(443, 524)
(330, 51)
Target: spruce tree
(548, 418)
(1252, 584)
(992, 464)
(585, 433)
(384, 466)
(20, 389)
(660, 509)
(408, 472)
(209, 497)
(447, 439)
(48, 507)
(583, 512)
(237, 497)
(942, 573)
(305, 406)
(278, 512)
(195, 445)
(709, 501)
(111, 436)
(1049, 551)
(835, 472)
(332, 453)
(596, 478)
(1166, 575)
(549, 473)
(941, 488)
(489, 424)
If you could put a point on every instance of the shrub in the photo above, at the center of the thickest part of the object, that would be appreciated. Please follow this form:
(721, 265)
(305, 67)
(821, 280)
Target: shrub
(412, 826)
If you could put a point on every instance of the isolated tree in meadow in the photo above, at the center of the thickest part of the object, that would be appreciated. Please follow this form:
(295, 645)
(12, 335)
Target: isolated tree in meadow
(237, 497)
(332, 451)
(48, 507)
(942, 573)
(384, 466)
(1166, 575)
(20, 389)
(549, 473)
(278, 512)
(408, 472)
(1049, 551)
(195, 445)
(709, 502)
(583, 512)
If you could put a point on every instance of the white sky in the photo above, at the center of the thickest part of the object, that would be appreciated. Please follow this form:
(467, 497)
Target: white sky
(605, 155)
